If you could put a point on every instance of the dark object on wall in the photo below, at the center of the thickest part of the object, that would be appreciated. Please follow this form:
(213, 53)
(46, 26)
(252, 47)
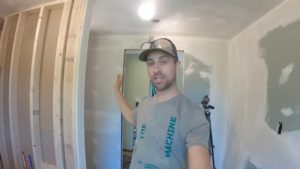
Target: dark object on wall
(279, 129)
(207, 107)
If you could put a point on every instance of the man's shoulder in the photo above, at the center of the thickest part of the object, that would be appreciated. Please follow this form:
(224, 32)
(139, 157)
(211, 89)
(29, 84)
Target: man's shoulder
(145, 99)
(186, 105)
(184, 100)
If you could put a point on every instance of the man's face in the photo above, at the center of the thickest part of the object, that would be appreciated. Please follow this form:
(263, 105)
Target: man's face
(161, 70)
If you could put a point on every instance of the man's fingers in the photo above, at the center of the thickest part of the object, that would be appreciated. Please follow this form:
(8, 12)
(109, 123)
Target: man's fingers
(120, 78)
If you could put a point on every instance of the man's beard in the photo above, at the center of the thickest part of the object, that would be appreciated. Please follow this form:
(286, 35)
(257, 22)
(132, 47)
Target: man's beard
(166, 85)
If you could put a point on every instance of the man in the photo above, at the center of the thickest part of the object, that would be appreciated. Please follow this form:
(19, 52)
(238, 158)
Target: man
(172, 133)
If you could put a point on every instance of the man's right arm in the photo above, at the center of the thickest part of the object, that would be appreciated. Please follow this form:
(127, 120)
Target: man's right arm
(124, 106)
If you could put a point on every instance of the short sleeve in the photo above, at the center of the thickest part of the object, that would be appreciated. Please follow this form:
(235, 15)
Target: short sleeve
(197, 131)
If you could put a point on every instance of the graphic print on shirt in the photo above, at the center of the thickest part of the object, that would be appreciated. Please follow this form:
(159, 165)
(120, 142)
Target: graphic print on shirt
(143, 130)
(150, 166)
(170, 136)
(166, 139)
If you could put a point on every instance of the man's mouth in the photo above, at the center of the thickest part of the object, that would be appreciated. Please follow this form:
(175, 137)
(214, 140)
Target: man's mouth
(157, 79)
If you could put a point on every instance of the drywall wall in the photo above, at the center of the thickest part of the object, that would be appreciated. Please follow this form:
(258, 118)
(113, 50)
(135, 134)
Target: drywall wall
(105, 61)
(263, 91)
(281, 55)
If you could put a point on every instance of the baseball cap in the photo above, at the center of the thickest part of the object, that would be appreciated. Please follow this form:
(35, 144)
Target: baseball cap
(162, 44)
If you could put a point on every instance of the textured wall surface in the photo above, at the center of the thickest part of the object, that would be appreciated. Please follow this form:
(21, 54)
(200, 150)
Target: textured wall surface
(263, 90)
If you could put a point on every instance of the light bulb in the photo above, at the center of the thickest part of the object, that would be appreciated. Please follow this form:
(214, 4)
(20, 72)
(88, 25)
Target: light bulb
(146, 10)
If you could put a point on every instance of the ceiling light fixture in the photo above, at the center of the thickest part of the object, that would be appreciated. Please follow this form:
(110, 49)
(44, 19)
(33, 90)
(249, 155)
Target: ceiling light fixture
(146, 10)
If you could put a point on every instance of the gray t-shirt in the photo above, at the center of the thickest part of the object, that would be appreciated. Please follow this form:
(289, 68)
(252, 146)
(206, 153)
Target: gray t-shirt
(164, 132)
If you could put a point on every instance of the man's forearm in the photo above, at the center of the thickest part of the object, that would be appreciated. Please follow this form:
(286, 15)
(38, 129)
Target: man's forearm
(198, 158)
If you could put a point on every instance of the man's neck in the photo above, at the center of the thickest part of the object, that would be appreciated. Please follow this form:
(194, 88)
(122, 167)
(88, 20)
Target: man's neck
(165, 95)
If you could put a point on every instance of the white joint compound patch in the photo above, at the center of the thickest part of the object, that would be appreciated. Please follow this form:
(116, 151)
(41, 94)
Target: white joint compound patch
(287, 111)
(285, 73)
(189, 70)
(204, 74)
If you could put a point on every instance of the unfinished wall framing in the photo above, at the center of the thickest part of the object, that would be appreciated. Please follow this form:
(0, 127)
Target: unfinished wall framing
(6, 46)
(42, 51)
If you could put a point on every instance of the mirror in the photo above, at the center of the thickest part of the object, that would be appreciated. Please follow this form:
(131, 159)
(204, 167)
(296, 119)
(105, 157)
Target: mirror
(136, 85)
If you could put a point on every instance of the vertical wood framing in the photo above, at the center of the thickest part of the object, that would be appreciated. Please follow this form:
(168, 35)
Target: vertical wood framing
(73, 85)
(23, 84)
(35, 86)
(13, 79)
(57, 85)
(6, 52)
(46, 84)
(68, 86)
(3, 47)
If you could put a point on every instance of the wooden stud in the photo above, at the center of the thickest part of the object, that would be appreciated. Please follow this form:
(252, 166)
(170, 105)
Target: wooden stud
(57, 85)
(3, 47)
(73, 85)
(46, 86)
(37, 7)
(35, 86)
(13, 79)
(19, 86)
(7, 53)
(23, 82)
(69, 75)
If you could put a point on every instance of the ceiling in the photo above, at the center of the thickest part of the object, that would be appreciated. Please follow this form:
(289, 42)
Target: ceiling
(221, 19)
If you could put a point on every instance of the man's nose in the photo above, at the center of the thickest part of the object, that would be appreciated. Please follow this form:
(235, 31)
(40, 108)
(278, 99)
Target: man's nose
(156, 67)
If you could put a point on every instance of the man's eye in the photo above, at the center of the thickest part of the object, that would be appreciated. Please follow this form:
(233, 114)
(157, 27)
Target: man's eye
(150, 63)
(163, 61)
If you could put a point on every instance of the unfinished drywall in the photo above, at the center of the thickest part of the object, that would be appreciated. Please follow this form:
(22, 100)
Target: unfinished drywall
(263, 90)
(197, 79)
(281, 54)
(105, 61)
(46, 85)
(23, 83)
(7, 60)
